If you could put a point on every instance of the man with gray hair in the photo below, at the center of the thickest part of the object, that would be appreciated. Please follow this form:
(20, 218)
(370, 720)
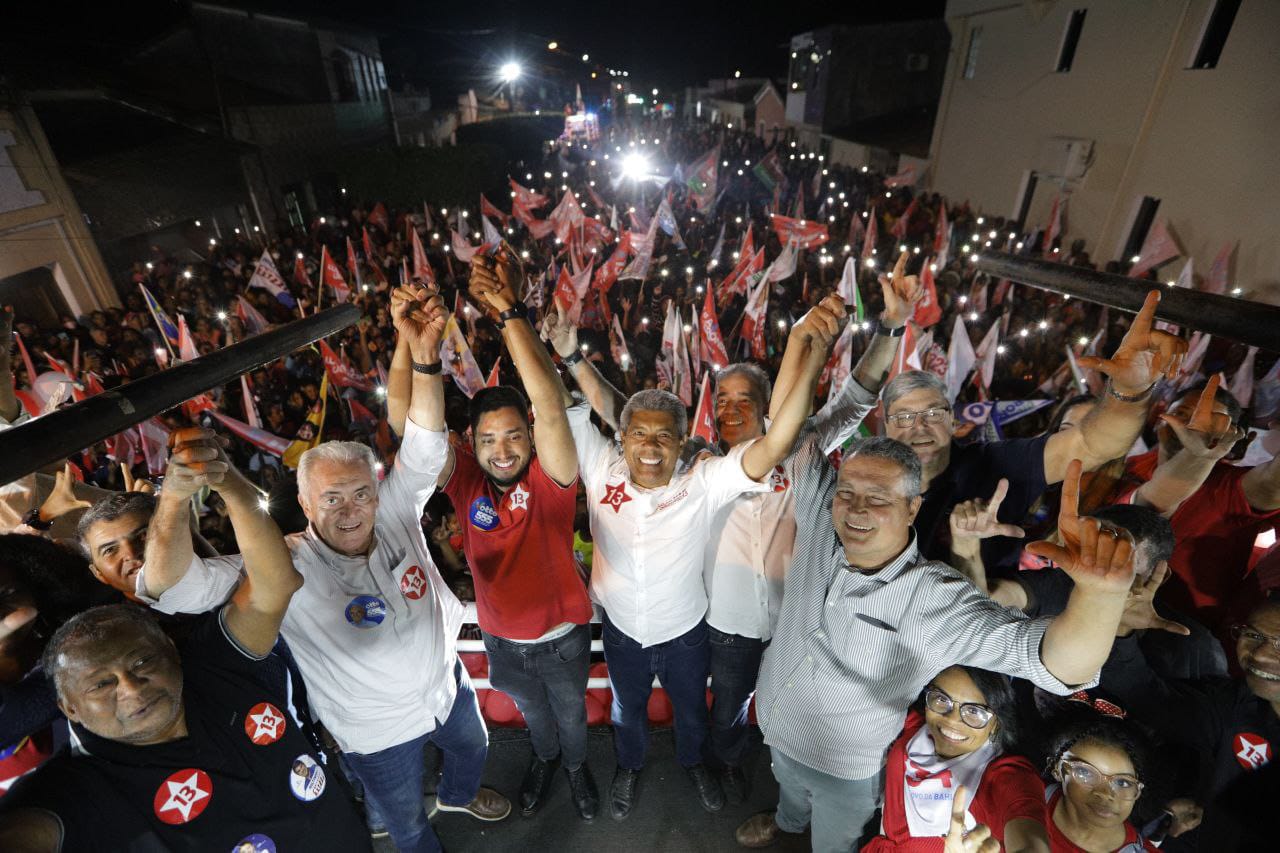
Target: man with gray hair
(866, 621)
(374, 628)
(651, 525)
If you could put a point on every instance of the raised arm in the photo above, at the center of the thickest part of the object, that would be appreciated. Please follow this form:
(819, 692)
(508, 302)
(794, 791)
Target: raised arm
(822, 325)
(972, 521)
(399, 386)
(606, 400)
(1134, 369)
(1099, 561)
(196, 461)
(492, 284)
(419, 316)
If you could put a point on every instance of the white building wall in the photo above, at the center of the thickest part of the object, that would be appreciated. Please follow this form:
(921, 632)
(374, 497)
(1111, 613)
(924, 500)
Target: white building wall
(1202, 141)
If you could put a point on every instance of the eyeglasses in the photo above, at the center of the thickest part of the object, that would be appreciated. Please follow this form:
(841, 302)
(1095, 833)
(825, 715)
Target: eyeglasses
(1125, 786)
(906, 420)
(1253, 637)
(972, 714)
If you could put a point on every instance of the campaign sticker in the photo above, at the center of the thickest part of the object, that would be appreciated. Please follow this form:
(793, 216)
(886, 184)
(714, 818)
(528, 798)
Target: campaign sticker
(183, 796)
(413, 583)
(306, 778)
(1252, 750)
(366, 611)
(264, 724)
(255, 843)
(483, 514)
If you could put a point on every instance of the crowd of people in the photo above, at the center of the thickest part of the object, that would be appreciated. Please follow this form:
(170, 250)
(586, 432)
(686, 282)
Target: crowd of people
(1010, 596)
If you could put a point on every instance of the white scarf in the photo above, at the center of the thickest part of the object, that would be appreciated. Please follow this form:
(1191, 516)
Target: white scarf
(930, 782)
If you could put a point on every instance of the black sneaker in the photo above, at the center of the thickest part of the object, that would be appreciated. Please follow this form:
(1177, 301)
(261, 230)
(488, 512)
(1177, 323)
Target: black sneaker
(735, 784)
(582, 789)
(537, 781)
(624, 792)
(709, 793)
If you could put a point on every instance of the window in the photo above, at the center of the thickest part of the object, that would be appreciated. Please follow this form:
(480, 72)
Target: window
(1070, 39)
(1141, 225)
(1214, 37)
(971, 55)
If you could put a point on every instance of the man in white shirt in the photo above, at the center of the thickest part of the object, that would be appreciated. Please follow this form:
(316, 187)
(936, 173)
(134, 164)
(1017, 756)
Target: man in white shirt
(374, 627)
(750, 546)
(650, 525)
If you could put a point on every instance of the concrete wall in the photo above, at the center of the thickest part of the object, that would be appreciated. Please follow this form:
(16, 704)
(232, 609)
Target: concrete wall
(40, 222)
(1202, 141)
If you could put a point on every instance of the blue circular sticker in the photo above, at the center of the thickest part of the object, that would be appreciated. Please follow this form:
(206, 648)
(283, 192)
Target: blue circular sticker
(366, 611)
(306, 778)
(255, 843)
(483, 514)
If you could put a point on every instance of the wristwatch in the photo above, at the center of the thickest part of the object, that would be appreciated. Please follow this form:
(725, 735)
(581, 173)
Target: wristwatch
(1131, 398)
(33, 520)
(427, 369)
(516, 312)
(572, 358)
(890, 332)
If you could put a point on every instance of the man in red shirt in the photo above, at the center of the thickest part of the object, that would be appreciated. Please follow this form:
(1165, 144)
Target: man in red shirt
(516, 510)
(1217, 509)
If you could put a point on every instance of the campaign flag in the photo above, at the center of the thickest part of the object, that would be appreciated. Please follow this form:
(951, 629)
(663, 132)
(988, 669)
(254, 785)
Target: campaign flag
(848, 291)
(704, 417)
(702, 179)
(978, 295)
(566, 215)
(941, 234)
(643, 247)
(618, 345)
(525, 198)
(353, 262)
(250, 408)
(711, 345)
(986, 353)
(716, 250)
(1242, 382)
(682, 387)
(736, 281)
(168, 329)
(906, 358)
(806, 234)
(487, 208)
(361, 418)
(1160, 246)
(1220, 272)
(300, 270)
(784, 266)
(266, 276)
(748, 243)
(155, 445)
(608, 272)
(421, 266)
(872, 236)
(695, 341)
(254, 323)
(839, 365)
(667, 222)
(461, 248)
(899, 229)
(1054, 229)
(1006, 412)
(123, 446)
(494, 375)
(491, 235)
(311, 432)
(255, 435)
(343, 374)
(458, 360)
(797, 210)
(367, 242)
(769, 170)
(331, 276)
(979, 414)
(928, 311)
(570, 290)
(755, 313)
(427, 221)
(960, 359)
(906, 176)
(378, 216)
(26, 361)
(186, 344)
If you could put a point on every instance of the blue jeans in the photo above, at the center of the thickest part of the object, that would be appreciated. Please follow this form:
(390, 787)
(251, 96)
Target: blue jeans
(393, 777)
(735, 663)
(837, 809)
(548, 683)
(681, 668)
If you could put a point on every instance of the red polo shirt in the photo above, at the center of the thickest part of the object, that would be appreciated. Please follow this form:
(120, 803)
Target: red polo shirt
(519, 545)
(1215, 528)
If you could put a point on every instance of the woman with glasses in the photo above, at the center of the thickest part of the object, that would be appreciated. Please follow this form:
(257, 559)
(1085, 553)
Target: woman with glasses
(1098, 766)
(961, 738)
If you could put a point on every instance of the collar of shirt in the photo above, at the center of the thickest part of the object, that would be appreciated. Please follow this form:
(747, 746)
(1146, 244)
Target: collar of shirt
(889, 572)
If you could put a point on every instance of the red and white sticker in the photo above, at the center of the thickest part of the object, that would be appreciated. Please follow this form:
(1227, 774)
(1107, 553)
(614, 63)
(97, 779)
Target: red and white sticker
(413, 583)
(183, 796)
(264, 724)
(778, 479)
(1252, 751)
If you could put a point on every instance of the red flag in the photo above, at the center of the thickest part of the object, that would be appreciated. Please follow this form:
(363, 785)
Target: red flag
(421, 267)
(186, 344)
(713, 349)
(704, 418)
(378, 216)
(493, 380)
(748, 244)
(570, 290)
(27, 363)
(906, 177)
(872, 236)
(736, 281)
(928, 311)
(905, 358)
(331, 276)
(369, 255)
(254, 322)
(899, 229)
(353, 264)
(342, 374)
(525, 198)
(805, 233)
(300, 271)
(608, 272)
(942, 233)
(197, 404)
(259, 438)
(488, 209)
(361, 416)
(1156, 249)
(566, 215)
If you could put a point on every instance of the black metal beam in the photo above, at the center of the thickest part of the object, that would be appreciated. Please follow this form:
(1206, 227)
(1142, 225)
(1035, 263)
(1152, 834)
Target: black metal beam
(55, 436)
(1253, 323)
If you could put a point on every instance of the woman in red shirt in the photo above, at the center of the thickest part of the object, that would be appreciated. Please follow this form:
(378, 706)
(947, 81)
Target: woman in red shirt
(961, 739)
(1098, 765)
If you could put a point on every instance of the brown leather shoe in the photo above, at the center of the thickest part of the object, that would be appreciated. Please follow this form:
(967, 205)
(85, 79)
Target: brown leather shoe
(758, 831)
(488, 805)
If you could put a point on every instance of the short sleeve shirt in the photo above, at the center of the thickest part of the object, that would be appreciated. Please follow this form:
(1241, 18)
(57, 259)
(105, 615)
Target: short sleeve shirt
(519, 544)
(974, 471)
(244, 774)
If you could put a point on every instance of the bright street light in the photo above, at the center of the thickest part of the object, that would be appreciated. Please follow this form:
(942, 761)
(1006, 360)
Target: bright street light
(509, 71)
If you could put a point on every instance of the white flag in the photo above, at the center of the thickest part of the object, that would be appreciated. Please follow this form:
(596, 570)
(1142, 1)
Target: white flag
(987, 353)
(1242, 383)
(960, 359)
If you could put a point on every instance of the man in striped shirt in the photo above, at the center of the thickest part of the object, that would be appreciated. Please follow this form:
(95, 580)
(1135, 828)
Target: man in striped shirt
(866, 622)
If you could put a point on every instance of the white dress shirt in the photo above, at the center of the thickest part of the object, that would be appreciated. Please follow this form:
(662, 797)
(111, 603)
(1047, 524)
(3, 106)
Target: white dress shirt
(372, 687)
(646, 571)
(751, 539)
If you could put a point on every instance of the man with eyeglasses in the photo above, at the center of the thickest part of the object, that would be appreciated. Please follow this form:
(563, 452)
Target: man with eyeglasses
(918, 413)
(1229, 728)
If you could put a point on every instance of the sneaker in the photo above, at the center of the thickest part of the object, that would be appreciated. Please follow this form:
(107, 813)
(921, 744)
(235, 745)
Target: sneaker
(488, 805)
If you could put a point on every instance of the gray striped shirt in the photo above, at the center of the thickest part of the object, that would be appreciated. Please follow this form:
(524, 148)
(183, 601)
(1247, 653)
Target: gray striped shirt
(852, 651)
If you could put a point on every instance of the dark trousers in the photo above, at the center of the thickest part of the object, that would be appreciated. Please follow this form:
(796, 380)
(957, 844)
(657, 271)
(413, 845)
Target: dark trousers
(681, 667)
(548, 683)
(735, 663)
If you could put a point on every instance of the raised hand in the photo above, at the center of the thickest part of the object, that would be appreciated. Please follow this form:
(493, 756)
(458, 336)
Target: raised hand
(1144, 355)
(196, 460)
(975, 519)
(62, 499)
(976, 840)
(494, 279)
(1096, 557)
(1139, 608)
(135, 484)
(557, 329)
(1208, 434)
(822, 324)
(901, 294)
(419, 316)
